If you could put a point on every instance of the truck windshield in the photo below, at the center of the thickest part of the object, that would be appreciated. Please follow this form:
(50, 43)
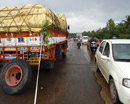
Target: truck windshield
(121, 52)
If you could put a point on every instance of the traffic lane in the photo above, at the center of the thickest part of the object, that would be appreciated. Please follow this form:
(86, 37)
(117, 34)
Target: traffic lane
(71, 82)
(105, 93)
(27, 97)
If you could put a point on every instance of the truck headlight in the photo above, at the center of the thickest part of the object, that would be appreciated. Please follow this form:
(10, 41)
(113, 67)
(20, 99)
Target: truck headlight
(126, 82)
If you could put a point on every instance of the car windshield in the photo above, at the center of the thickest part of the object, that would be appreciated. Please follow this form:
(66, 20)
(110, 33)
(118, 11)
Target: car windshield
(97, 40)
(85, 38)
(94, 39)
(121, 52)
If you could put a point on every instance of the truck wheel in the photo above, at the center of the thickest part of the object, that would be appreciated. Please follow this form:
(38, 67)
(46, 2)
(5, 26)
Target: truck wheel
(113, 92)
(15, 76)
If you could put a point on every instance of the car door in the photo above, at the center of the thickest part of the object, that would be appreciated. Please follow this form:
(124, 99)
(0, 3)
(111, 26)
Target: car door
(99, 54)
(106, 64)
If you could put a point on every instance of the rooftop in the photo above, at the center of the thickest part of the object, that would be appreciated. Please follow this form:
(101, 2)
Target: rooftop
(118, 41)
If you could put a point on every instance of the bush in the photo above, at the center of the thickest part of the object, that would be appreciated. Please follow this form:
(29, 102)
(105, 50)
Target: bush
(124, 36)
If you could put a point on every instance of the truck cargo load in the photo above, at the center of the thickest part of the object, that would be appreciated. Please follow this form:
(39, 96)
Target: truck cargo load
(29, 18)
(29, 35)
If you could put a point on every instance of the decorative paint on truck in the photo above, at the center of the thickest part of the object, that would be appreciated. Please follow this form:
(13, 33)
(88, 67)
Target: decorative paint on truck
(23, 43)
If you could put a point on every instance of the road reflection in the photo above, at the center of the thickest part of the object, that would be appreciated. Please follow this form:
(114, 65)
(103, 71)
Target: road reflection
(105, 94)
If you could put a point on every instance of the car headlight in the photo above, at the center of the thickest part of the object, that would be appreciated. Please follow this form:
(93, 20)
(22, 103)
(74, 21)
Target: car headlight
(126, 82)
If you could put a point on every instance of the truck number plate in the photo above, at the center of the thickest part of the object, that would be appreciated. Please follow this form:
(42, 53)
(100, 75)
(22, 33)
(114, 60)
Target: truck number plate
(10, 57)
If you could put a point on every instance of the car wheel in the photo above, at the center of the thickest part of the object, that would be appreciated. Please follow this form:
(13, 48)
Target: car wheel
(113, 92)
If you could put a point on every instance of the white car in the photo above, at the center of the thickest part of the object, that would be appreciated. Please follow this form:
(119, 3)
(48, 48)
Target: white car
(113, 61)
(85, 39)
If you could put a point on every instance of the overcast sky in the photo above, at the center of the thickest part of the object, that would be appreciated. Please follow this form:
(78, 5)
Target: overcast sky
(82, 15)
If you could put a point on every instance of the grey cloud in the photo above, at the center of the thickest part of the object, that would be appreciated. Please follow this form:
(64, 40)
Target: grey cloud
(82, 15)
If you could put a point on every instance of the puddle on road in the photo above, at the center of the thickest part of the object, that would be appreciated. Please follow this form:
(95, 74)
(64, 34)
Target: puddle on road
(70, 54)
(105, 94)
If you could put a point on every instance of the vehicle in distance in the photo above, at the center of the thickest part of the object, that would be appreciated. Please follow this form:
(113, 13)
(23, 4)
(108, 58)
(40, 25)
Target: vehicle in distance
(96, 40)
(113, 61)
(84, 39)
(74, 38)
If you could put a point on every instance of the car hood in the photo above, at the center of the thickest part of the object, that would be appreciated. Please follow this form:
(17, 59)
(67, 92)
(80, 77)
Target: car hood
(84, 40)
(124, 68)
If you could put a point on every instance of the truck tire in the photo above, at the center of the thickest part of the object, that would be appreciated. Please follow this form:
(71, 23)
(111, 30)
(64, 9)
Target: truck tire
(15, 76)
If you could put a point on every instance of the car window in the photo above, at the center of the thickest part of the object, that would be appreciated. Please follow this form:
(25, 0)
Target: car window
(102, 46)
(97, 39)
(107, 50)
(121, 52)
(85, 37)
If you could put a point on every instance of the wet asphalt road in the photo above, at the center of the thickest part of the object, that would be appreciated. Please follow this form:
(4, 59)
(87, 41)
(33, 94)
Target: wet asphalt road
(72, 81)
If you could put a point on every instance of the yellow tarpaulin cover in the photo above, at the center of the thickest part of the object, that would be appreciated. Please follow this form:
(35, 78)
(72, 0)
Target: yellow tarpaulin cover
(29, 18)
(62, 20)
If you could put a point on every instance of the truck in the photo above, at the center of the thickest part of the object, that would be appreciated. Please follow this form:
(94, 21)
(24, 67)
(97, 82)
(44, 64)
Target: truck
(78, 35)
(29, 35)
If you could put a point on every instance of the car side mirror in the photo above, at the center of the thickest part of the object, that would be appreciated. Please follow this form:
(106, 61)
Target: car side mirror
(105, 58)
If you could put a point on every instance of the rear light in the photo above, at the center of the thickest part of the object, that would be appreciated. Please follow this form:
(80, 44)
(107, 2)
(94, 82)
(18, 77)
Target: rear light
(1, 56)
(98, 43)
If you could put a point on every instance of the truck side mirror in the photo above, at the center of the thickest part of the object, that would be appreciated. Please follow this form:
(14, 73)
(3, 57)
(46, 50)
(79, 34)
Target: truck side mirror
(68, 27)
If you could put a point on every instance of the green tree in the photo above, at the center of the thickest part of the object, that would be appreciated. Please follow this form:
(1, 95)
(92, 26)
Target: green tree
(111, 28)
(127, 21)
(84, 33)
(72, 34)
(121, 30)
